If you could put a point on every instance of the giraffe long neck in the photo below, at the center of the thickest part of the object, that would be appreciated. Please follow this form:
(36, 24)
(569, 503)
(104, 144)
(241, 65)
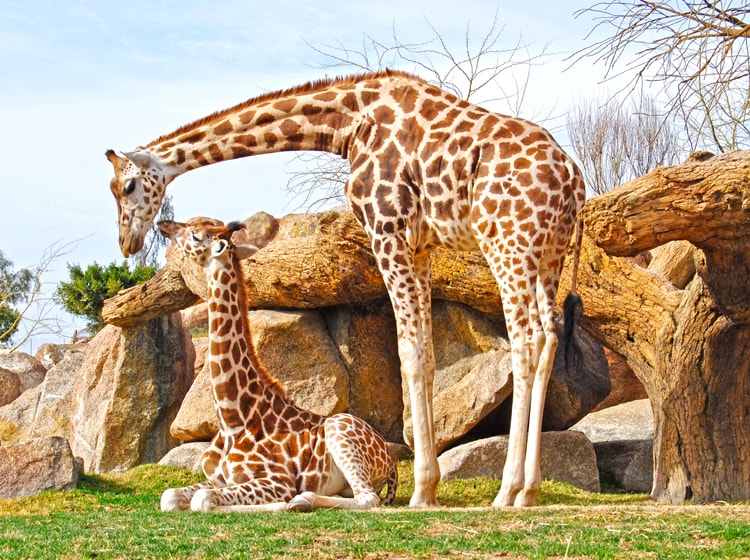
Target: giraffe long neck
(241, 386)
(319, 116)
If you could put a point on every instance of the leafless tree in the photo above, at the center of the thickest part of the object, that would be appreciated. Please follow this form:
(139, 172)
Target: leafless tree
(39, 314)
(615, 143)
(695, 52)
(483, 71)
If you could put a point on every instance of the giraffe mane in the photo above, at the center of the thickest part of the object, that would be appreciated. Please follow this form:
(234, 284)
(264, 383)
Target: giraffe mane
(253, 354)
(312, 86)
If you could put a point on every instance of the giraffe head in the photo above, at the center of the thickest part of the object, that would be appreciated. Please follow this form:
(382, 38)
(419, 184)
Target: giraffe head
(205, 239)
(139, 185)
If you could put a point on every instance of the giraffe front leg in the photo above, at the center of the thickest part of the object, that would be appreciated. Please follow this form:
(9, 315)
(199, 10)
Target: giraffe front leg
(271, 493)
(420, 376)
(176, 499)
(426, 468)
(309, 501)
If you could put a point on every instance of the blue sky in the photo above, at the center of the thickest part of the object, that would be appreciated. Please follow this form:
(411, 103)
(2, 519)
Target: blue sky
(79, 77)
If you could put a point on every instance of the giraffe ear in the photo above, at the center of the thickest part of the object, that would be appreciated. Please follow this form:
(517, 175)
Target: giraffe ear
(245, 251)
(141, 159)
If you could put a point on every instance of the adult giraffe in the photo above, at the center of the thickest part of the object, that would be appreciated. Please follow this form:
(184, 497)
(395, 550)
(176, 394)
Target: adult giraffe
(427, 169)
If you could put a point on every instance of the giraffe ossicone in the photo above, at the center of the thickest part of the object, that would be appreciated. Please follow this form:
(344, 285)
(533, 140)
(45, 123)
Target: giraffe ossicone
(268, 455)
(427, 169)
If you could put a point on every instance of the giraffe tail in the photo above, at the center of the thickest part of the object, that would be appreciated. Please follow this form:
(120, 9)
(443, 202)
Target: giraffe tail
(573, 309)
(392, 484)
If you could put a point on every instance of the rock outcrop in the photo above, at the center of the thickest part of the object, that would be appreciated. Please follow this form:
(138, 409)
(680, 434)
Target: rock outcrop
(35, 466)
(128, 392)
(566, 456)
(44, 410)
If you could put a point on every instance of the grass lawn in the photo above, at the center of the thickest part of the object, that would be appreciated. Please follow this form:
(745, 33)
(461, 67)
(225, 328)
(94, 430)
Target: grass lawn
(117, 516)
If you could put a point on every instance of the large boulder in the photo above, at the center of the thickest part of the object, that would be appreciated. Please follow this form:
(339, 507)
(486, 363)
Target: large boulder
(628, 464)
(49, 354)
(366, 339)
(188, 455)
(565, 456)
(44, 410)
(623, 440)
(197, 419)
(128, 392)
(195, 318)
(295, 348)
(631, 420)
(35, 466)
(29, 370)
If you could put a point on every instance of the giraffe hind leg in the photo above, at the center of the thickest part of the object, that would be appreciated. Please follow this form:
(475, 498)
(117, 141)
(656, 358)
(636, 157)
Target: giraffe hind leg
(516, 272)
(361, 456)
(523, 377)
(543, 371)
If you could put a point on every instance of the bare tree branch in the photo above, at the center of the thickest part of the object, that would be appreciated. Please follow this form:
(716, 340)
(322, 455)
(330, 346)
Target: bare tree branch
(616, 143)
(480, 66)
(696, 52)
(40, 314)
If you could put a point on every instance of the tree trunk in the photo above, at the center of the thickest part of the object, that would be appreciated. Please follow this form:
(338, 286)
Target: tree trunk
(689, 348)
(334, 266)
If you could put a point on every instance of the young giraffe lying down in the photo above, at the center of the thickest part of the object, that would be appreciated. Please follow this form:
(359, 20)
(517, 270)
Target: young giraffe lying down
(269, 455)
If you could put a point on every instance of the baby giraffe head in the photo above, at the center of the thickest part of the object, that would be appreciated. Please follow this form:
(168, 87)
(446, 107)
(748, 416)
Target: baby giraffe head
(206, 239)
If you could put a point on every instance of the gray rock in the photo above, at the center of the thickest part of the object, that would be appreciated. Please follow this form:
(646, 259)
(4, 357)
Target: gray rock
(188, 455)
(29, 370)
(296, 349)
(195, 318)
(44, 410)
(366, 340)
(35, 466)
(197, 419)
(627, 463)
(10, 386)
(627, 421)
(566, 456)
(50, 354)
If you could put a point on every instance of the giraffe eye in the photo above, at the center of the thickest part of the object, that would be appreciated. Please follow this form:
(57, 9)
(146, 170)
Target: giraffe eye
(129, 187)
(195, 238)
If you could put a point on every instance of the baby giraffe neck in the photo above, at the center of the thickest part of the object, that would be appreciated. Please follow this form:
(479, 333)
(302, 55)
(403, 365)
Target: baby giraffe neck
(237, 377)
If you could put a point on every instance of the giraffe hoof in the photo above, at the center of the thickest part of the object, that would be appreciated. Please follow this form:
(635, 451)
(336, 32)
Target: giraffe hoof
(202, 501)
(172, 500)
(525, 498)
(301, 502)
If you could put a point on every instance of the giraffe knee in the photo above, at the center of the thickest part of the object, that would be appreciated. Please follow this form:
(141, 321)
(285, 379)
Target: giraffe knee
(202, 501)
(409, 355)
